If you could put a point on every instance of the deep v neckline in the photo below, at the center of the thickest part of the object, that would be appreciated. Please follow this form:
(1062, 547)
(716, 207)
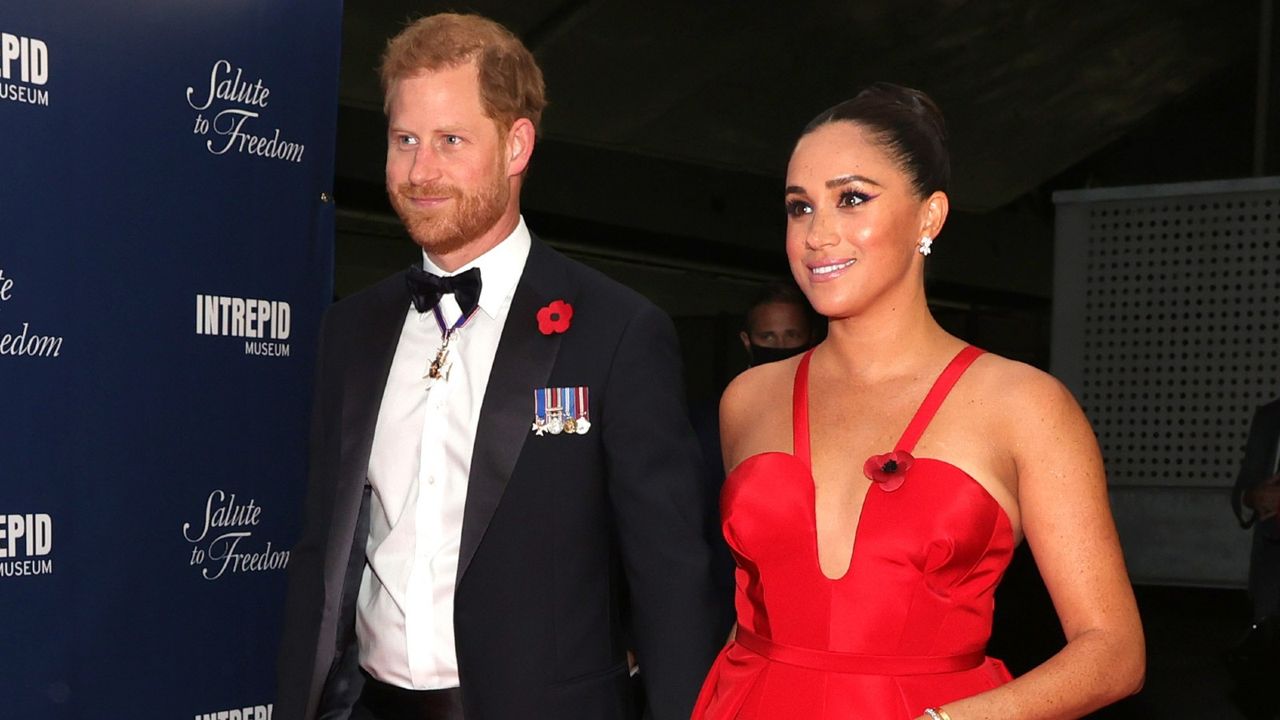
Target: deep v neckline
(801, 440)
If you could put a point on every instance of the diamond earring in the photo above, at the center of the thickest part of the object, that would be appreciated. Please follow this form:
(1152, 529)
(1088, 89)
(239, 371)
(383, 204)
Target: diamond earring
(926, 245)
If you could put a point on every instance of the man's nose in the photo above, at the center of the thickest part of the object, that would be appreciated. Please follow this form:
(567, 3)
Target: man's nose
(425, 167)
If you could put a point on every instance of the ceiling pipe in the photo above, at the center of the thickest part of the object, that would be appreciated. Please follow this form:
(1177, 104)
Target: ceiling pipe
(1266, 20)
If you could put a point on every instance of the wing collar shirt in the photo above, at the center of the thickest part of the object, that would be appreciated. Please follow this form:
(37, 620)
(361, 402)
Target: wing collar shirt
(418, 468)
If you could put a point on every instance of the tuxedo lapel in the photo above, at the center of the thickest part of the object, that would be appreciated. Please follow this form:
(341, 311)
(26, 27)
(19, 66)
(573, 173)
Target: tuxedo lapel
(523, 363)
(371, 348)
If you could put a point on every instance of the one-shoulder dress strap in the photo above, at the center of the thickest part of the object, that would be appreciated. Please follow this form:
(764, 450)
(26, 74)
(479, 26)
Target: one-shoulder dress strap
(800, 411)
(941, 387)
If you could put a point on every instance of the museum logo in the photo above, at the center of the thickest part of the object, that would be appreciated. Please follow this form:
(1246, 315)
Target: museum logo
(251, 712)
(26, 540)
(263, 324)
(24, 69)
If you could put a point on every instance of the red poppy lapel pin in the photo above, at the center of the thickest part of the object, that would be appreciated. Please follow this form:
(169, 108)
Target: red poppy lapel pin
(555, 317)
(889, 470)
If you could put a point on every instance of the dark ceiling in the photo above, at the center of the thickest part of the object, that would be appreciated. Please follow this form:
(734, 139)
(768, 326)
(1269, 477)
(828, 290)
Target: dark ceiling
(671, 122)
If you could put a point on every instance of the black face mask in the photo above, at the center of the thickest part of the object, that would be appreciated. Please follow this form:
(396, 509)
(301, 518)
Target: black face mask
(759, 354)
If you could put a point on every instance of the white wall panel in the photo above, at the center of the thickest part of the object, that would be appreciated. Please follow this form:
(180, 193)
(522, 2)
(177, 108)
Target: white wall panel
(1167, 328)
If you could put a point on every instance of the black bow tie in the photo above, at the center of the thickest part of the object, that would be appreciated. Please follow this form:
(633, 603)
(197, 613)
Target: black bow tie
(425, 288)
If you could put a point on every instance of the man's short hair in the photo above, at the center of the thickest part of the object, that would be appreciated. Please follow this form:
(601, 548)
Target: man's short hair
(511, 85)
(785, 293)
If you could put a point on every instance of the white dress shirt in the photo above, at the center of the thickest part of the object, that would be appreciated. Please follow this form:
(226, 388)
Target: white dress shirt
(418, 468)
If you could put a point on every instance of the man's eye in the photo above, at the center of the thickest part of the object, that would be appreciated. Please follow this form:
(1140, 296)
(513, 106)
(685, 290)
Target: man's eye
(406, 140)
(452, 140)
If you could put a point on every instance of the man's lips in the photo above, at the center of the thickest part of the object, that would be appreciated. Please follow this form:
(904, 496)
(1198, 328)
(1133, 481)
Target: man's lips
(427, 201)
(426, 196)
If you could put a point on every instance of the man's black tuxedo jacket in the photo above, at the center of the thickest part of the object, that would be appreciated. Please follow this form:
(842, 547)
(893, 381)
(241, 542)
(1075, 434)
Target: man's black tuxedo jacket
(555, 529)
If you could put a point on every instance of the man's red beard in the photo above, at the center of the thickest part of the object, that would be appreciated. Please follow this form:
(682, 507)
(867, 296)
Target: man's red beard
(463, 219)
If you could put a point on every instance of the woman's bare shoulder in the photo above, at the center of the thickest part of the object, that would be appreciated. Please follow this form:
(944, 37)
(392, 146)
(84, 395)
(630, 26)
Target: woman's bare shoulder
(1024, 400)
(1016, 383)
(760, 384)
(754, 397)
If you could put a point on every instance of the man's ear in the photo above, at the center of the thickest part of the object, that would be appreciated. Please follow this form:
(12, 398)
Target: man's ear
(520, 140)
(746, 340)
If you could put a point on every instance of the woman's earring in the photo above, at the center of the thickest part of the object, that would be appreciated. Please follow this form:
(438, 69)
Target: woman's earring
(926, 245)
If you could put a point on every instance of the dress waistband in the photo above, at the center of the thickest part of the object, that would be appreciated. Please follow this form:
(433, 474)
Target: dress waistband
(857, 664)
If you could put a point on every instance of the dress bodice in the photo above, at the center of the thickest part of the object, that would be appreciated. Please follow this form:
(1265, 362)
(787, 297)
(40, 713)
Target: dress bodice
(915, 604)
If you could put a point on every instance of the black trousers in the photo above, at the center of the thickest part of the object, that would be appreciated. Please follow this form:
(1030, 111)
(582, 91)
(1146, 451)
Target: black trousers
(380, 701)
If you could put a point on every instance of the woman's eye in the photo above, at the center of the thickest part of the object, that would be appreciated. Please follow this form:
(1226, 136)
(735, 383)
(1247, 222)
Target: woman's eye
(850, 198)
(796, 208)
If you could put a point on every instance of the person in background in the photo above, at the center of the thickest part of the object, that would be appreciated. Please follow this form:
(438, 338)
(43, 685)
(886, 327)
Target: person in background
(778, 324)
(499, 445)
(879, 483)
(1255, 661)
(1257, 495)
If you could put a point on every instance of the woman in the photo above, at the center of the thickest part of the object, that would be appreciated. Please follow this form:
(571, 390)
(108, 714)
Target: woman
(881, 481)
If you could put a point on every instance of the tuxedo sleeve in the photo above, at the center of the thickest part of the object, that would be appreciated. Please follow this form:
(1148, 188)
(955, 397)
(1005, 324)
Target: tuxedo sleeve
(658, 502)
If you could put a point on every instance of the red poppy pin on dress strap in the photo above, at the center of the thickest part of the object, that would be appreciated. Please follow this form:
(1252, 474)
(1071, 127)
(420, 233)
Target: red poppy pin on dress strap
(889, 470)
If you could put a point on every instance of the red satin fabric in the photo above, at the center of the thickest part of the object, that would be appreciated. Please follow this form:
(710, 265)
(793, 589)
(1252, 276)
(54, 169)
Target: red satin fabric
(903, 629)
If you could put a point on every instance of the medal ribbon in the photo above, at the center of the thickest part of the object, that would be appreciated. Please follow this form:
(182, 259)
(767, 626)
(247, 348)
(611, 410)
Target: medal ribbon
(540, 405)
(462, 320)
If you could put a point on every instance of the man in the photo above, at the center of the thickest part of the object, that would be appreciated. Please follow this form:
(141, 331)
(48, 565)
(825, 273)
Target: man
(493, 463)
(777, 325)
(1257, 488)
(1257, 493)
(1255, 660)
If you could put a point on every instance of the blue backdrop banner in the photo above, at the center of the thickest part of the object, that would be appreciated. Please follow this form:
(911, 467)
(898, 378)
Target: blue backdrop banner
(166, 234)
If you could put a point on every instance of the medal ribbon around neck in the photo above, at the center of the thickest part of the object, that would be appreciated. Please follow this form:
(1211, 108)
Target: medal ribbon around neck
(440, 365)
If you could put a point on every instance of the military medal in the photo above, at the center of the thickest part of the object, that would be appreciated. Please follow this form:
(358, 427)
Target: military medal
(548, 411)
(581, 408)
(555, 411)
(570, 417)
(540, 411)
(560, 410)
(440, 365)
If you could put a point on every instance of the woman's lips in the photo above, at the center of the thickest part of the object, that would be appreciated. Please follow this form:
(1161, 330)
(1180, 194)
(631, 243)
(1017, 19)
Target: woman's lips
(830, 270)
